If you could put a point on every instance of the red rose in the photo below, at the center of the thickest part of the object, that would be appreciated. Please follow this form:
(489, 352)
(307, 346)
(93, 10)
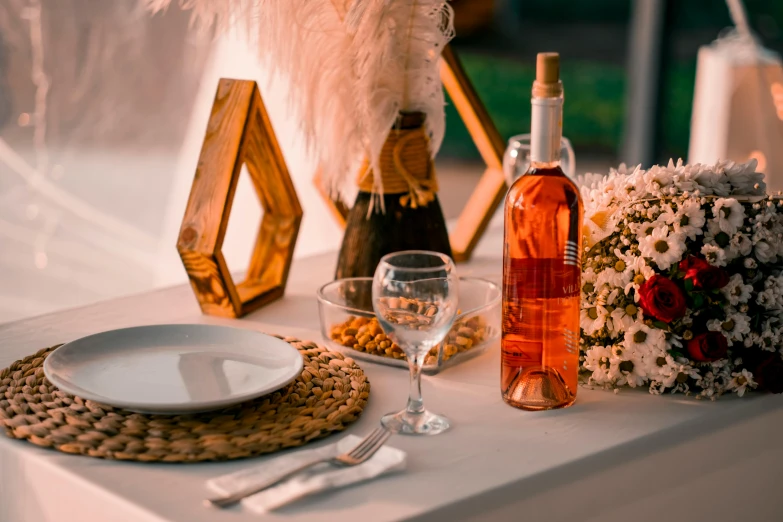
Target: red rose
(709, 346)
(769, 374)
(704, 275)
(660, 298)
(693, 263)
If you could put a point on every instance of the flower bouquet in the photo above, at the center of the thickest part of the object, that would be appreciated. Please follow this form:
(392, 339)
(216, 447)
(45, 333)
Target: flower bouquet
(682, 288)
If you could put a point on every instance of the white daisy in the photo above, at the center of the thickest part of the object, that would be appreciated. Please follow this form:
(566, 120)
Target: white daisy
(632, 186)
(592, 319)
(768, 340)
(711, 381)
(740, 245)
(679, 372)
(763, 229)
(764, 252)
(713, 235)
(744, 178)
(714, 255)
(588, 287)
(643, 229)
(736, 291)
(766, 298)
(615, 276)
(712, 230)
(588, 276)
(735, 327)
(658, 178)
(729, 213)
(637, 271)
(598, 361)
(710, 181)
(662, 368)
(609, 302)
(641, 338)
(774, 283)
(739, 323)
(740, 381)
(631, 369)
(589, 180)
(667, 216)
(663, 247)
(684, 182)
(623, 317)
(689, 219)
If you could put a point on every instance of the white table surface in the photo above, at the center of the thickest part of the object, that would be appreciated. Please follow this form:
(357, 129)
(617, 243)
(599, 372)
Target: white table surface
(627, 457)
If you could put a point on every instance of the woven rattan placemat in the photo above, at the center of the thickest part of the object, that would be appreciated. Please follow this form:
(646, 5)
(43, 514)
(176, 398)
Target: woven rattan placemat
(330, 393)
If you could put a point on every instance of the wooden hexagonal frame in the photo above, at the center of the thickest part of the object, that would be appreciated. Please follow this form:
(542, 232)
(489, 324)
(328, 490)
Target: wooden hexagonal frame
(239, 132)
(491, 188)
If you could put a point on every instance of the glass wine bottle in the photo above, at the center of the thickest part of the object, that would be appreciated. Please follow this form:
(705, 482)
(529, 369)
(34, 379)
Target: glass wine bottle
(542, 263)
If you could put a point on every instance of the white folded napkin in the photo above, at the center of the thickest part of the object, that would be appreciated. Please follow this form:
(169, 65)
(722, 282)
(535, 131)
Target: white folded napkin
(319, 478)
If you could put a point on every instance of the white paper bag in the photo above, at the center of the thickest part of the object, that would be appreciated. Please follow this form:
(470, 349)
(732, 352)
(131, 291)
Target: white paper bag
(738, 106)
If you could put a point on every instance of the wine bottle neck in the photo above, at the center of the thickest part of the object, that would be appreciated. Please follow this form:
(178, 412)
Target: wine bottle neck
(546, 130)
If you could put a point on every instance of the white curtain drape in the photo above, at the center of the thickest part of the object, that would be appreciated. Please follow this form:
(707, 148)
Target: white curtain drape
(102, 112)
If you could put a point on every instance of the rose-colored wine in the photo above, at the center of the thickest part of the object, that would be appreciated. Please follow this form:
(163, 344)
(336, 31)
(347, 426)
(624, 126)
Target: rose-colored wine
(542, 265)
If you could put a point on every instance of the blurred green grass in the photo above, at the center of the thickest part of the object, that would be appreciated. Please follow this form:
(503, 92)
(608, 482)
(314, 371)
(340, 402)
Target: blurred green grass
(594, 113)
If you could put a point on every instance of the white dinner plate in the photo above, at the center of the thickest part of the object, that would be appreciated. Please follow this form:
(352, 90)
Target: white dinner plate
(173, 368)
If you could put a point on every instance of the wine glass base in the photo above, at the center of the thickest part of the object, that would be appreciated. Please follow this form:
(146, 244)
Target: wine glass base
(407, 423)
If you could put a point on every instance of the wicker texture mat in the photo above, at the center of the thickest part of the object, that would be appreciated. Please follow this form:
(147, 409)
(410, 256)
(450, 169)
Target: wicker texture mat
(330, 393)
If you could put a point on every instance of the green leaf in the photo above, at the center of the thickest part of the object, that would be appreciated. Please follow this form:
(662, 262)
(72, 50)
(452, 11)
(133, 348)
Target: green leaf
(698, 300)
(661, 325)
(757, 322)
(689, 285)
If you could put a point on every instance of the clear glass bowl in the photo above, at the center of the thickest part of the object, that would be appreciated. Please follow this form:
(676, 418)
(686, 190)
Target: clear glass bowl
(349, 325)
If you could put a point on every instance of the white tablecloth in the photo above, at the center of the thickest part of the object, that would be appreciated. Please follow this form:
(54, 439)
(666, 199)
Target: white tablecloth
(626, 457)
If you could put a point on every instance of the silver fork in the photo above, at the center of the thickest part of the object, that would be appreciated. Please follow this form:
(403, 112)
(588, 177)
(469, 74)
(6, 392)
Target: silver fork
(363, 451)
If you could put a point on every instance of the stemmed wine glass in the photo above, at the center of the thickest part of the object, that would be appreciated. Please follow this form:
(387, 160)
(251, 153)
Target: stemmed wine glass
(516, 160)
(415, 295)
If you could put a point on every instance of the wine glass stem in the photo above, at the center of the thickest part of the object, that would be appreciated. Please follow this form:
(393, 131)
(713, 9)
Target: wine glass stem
(415, 402)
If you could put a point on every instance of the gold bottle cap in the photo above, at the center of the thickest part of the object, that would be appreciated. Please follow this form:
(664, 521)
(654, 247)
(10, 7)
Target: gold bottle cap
(547, 84)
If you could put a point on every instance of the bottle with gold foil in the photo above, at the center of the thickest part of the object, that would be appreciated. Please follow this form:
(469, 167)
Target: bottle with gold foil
(542, 263)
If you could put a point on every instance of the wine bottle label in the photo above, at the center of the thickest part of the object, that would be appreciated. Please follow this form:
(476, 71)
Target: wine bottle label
(542, 278)
(546, 129)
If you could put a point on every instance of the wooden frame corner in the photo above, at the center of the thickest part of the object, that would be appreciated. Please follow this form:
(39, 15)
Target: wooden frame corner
(239, 133)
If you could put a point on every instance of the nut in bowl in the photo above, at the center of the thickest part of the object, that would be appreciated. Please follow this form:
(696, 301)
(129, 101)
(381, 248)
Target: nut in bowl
(349, 324)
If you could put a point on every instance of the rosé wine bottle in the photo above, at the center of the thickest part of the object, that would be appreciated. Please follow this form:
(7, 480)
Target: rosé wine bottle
(542, 263)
